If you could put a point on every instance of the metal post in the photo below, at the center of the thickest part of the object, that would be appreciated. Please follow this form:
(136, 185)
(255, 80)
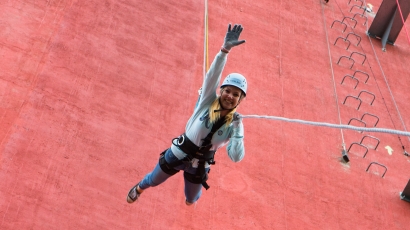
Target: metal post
(387, 32)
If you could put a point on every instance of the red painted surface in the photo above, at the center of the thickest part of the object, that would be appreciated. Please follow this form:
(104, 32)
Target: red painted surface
(92, 91)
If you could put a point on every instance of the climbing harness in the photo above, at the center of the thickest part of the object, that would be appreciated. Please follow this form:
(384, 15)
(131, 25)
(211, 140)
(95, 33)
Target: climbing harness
(202, 153)
(168, 168)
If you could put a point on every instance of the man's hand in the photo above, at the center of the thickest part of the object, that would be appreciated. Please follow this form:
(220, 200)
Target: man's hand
(232, 36)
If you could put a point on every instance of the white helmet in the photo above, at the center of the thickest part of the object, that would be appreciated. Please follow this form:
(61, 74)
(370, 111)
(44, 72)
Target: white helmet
(236, 79)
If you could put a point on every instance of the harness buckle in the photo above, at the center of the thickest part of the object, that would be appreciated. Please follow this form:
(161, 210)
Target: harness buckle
(181, 140)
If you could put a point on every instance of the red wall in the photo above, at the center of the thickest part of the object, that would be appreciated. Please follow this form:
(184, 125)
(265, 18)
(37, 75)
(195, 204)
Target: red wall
(92, 91)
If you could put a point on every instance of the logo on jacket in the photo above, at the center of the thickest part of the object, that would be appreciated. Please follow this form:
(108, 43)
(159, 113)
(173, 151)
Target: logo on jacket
(206, 118)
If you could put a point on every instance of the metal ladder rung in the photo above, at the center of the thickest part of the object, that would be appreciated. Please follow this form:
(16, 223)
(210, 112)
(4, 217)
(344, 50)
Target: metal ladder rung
(355, 143)
(358, 71)
(378, 141)
(354, 98)
(346, 40)
(340, 23)
(347, 58)
(360, 55)
(371, 116)
(363, 16)
(364, 91)
(352, 19)
(379, 165)
(352, 77)
(357, 37)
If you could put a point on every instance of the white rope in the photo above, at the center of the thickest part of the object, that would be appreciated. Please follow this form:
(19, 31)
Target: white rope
(333, 74)
(329, 125)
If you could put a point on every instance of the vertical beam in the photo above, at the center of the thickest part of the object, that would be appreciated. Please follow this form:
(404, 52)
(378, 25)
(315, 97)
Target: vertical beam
(387, 32)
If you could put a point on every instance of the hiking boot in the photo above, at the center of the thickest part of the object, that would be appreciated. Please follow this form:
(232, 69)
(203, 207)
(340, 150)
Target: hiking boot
(133, 194)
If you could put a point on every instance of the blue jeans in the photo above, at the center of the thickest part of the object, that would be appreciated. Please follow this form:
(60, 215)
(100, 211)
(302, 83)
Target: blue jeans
(157, 177)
